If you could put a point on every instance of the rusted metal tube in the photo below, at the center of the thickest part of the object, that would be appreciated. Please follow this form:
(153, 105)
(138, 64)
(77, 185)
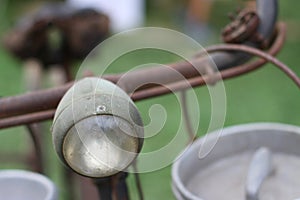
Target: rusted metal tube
(225, 74)
(48, 99)
(26, 119)
(36, 155)
(38, 100)
(163, 74)
(32, 102)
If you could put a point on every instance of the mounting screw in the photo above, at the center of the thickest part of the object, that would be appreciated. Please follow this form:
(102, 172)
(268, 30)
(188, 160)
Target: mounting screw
(100, 109)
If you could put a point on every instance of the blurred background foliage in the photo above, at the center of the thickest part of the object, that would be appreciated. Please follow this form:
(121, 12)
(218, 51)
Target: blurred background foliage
(264, 95)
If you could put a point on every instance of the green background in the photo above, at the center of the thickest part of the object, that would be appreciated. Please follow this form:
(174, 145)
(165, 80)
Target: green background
(265, 95)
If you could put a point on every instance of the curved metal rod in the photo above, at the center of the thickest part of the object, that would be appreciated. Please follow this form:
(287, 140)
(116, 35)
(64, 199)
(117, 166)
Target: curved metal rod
(49, 99)
(290, 73)
(160, 90)
(46, 100)
(267, 12)
(225, 74)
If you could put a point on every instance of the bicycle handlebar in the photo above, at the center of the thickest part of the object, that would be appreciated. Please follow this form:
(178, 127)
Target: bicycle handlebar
(47, 100)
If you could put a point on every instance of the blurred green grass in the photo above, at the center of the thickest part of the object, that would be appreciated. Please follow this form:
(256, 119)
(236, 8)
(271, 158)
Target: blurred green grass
(264, 95)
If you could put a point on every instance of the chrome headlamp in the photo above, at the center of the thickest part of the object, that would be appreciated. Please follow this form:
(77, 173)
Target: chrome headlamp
(97, 130)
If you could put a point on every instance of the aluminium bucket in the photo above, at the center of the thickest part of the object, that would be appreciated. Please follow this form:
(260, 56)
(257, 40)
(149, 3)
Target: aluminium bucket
(25, 185)
(223, 174)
